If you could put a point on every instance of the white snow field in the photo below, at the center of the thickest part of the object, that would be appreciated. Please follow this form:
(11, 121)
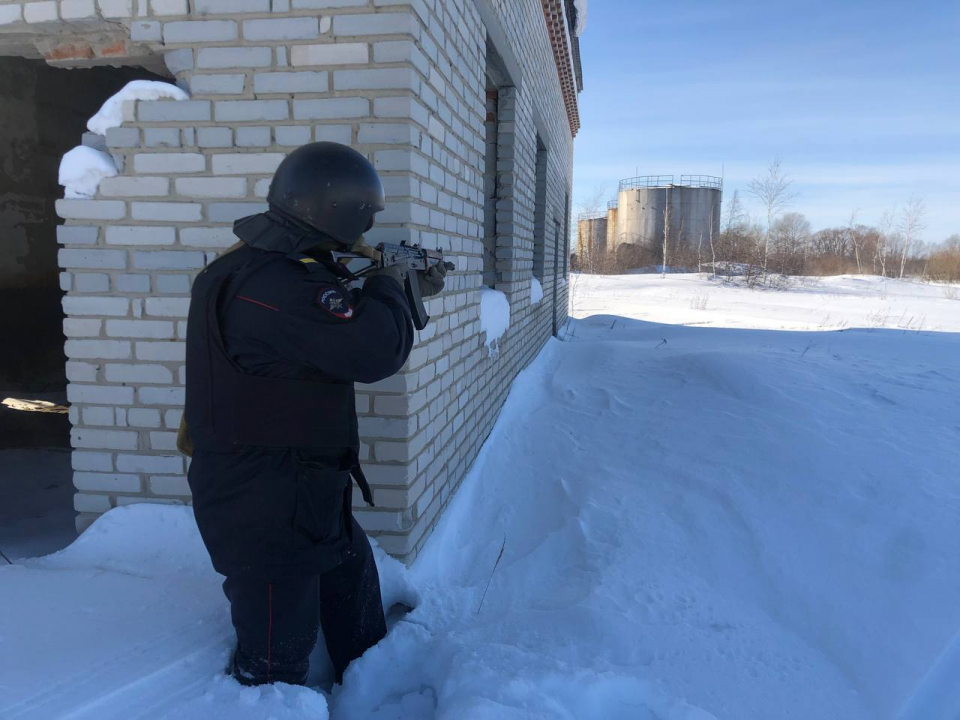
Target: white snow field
(808, 303)
(678, 516)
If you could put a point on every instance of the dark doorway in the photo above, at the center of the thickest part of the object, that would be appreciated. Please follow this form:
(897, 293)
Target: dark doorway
(43, 114)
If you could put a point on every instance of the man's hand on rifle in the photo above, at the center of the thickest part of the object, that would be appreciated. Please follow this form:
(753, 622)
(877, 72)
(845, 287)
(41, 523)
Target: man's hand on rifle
(398, 272)
(432, 281)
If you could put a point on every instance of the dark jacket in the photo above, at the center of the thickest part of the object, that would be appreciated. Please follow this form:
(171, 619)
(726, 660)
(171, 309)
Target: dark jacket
(278, 512)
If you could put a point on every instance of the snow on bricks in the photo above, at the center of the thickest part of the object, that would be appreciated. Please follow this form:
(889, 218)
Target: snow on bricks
(494, 316)
(111, 114)
(82, 170)
(536, 291)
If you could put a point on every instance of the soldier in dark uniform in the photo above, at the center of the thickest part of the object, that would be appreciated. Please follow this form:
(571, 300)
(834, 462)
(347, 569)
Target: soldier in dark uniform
(276, 341)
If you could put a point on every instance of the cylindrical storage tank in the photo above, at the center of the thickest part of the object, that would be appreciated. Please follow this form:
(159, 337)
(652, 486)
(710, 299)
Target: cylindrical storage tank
(591, 235)
(611, 226)
(640, 216)
(647, 206)
(693, 212)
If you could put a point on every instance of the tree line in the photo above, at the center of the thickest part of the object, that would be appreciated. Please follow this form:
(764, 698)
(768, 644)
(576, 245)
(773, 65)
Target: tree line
(783, 242)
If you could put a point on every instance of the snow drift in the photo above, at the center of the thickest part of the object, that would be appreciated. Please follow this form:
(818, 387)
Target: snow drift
(130, 622)
(668, 522)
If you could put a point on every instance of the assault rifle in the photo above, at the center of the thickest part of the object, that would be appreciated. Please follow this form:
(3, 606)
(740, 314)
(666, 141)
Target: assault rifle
(413, 256)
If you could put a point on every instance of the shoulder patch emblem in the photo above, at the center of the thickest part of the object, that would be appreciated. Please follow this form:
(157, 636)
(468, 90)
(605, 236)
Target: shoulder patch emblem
(335, 300)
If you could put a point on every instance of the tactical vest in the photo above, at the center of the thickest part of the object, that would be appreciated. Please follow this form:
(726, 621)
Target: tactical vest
(227, 408)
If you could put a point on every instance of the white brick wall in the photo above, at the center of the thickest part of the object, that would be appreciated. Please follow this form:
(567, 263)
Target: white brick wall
(403, 82)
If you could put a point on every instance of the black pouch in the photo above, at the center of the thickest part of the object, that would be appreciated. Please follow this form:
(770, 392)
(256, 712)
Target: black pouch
(322, 515)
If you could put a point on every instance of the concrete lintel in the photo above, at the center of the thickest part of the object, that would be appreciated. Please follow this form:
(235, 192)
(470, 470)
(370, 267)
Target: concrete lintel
(76, 44)
(499, 40)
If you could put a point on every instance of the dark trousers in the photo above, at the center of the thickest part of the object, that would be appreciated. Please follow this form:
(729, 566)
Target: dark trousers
(277, 622)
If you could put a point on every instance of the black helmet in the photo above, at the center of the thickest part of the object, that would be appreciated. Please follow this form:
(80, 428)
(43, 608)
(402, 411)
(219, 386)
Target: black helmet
(330, 187)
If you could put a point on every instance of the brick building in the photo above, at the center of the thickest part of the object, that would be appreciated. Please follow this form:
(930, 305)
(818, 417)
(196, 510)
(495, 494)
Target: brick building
(468, 108)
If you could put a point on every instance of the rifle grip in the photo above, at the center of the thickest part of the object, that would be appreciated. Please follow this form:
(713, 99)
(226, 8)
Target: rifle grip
(412, 289)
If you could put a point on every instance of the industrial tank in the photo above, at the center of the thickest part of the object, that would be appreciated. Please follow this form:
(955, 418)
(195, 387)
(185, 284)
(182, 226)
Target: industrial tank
(650, 204)
(611, 225)
(591, 234)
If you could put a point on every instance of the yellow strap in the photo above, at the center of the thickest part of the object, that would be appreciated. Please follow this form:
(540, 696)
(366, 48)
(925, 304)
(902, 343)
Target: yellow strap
(307, 260)
(184, 441)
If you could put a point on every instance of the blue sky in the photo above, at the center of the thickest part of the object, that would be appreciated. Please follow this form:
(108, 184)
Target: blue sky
(861, 100)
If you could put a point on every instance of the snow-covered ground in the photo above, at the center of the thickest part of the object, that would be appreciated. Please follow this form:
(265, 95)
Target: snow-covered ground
(812, 303)
(684, 512)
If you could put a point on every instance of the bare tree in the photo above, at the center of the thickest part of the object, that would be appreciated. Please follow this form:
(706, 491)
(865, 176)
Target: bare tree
(593, 202)
(590, 206)
(856, 240)
(735, 214)
(791, 234)
(884, 240)
(910, 226)
(944, 265)
(866, 239)
(773, 190)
